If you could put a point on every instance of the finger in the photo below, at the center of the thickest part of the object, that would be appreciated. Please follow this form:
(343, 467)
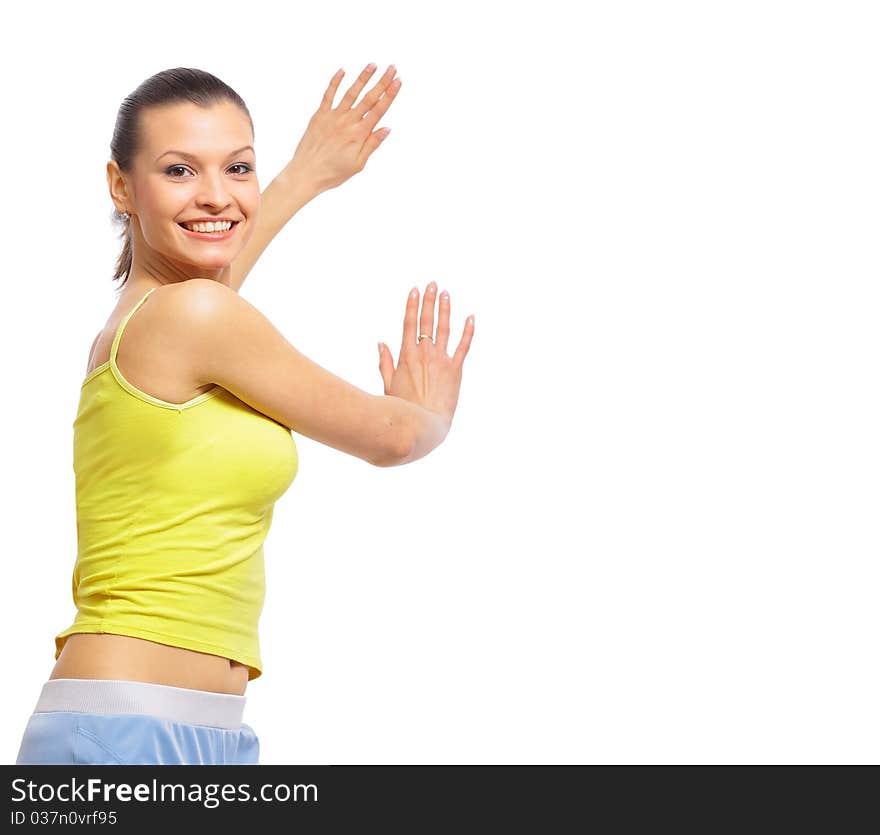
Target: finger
(426, 323)
(465, 344)
(355, 90)
(380, 108)
(409, 322)
(386, 366)
(374, 140)
(330, 94)
(443, 322)
(386, 85)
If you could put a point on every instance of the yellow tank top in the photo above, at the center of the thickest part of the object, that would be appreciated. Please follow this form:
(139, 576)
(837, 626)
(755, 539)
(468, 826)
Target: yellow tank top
(173, 502)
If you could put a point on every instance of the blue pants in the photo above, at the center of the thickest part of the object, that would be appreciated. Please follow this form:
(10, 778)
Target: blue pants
(110, 722)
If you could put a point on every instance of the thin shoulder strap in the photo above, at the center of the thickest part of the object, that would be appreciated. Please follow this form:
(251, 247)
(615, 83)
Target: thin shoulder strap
(115, 346)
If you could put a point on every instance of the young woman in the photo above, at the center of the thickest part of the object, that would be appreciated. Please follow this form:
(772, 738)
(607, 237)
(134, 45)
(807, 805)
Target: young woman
(182, 439)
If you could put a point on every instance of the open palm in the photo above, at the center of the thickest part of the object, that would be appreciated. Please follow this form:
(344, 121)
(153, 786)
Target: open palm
(338, 141)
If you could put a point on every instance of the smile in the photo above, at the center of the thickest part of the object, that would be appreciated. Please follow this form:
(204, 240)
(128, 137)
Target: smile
(211, 236)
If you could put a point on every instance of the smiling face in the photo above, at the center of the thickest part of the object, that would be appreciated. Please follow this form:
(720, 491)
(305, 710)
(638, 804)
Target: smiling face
(193, 163)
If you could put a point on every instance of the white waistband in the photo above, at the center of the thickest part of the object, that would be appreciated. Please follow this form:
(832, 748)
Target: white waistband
(179, 704)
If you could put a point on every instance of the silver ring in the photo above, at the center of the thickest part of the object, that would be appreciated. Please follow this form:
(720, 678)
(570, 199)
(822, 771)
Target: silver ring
(424, 336)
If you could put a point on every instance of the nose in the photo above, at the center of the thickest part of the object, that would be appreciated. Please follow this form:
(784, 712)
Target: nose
(213, 192)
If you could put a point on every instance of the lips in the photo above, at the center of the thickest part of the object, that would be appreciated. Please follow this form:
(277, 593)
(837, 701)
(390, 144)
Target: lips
(210, 236)
(183, 226)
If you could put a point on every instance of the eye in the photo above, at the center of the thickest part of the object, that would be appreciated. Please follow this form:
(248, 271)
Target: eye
(247, 169)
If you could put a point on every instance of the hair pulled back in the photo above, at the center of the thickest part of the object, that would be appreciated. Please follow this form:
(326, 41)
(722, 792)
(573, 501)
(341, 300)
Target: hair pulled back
(173, 86)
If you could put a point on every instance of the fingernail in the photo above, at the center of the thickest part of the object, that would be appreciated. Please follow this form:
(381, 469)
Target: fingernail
(380, 348)
(445, 296)
(371, 66)
(414, 292)
(385, 133)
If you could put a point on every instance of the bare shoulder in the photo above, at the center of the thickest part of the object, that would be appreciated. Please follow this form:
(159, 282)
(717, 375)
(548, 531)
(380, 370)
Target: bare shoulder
(213, 320)
(195, 312)
(166, 313)
(232, 344)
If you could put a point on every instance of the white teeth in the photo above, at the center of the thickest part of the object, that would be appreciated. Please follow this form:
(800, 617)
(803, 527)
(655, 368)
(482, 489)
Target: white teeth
(222, 226)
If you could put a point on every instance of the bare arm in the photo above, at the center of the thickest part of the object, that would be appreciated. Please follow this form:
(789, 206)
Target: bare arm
(421, 430)
(232, 344)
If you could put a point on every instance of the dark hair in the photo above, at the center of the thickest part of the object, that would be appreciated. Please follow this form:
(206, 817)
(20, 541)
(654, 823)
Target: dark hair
(182, 84)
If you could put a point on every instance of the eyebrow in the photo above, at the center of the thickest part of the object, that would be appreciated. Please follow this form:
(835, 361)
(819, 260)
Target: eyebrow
(195, 158)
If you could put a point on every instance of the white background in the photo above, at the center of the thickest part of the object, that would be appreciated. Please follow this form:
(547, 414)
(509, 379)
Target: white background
(651, 535)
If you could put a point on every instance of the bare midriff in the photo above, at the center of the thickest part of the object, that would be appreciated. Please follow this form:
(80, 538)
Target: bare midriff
(101, 655)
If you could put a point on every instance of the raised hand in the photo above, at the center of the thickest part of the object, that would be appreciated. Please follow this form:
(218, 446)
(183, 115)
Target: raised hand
(339, 141)
(425, 373)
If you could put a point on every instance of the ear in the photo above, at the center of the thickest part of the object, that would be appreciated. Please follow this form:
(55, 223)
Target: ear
(118, 189)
